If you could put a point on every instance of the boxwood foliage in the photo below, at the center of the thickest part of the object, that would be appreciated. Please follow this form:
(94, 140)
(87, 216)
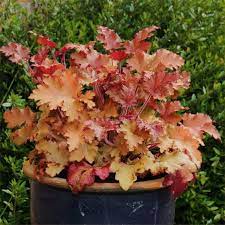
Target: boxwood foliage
(194, 29)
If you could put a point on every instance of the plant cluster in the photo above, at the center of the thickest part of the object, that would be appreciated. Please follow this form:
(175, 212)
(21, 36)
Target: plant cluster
(112, 112)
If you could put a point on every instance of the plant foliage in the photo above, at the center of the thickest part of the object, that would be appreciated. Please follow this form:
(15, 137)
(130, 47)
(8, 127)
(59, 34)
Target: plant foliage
(194, 29)
(130, 100)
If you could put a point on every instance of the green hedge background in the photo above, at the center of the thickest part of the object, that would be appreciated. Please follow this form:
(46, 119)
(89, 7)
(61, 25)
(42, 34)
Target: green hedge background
(193, 28)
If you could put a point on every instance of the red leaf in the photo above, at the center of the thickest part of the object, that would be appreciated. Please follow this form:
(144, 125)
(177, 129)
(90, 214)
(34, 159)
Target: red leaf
(40, 56)
(101, 127)
(46, 68)
(67, 47)
(64, 49)
(93, 59)
(97, 60)
(155, 128)
(124, 95)
(51, 68)
(45, 41)
(135, 46)
(118, 55)
(178, 181)
(80, 175)
(139, 43)
(152, 104)
(122, 89)
(102, 172)
(160, 84)
(109, 38)
(16, 52)
(167, 111)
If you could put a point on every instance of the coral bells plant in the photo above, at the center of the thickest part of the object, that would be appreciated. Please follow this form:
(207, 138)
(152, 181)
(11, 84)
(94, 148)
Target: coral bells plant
(112, 113)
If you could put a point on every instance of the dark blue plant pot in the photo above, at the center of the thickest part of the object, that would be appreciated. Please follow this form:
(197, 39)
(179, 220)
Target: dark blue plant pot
(50, 205)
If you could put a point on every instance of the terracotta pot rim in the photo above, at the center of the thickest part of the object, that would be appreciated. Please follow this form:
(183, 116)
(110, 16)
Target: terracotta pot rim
(57, 182)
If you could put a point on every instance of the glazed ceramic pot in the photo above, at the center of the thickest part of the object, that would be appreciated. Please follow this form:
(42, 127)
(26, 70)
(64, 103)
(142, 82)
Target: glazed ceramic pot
(52, 202)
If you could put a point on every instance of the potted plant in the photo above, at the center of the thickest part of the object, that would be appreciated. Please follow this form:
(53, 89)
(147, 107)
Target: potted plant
(108, 127)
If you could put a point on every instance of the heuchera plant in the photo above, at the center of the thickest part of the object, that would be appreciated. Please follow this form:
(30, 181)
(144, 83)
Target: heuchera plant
(113, 112)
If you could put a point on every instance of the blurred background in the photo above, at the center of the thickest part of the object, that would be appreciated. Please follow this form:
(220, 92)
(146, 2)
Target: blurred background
(194, 29)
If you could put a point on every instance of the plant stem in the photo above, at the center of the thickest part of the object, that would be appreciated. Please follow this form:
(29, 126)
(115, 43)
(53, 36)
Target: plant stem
(99, 93)
(144, 105)
(9, 88)
(3, 211)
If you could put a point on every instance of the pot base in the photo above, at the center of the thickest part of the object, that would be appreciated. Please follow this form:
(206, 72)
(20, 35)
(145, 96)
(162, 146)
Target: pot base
(50, 205)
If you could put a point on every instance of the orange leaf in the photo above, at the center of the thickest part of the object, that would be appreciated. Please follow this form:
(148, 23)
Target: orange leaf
(139, 61)
(84, 151)
(74, 134)
(60, 91)
(17, 117)
(125, 174)
(87, 98)
(165, 59)
(109, 110)
(128, 128)
(176, 160)
(181, 138)
(22, 119)
(53, 153)
(55, 157)
(21, 135)
(199, 123)
(53, 169)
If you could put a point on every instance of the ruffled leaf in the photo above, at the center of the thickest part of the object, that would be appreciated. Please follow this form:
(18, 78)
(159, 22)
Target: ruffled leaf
(84, 151)
(23, 120)
(17, 117)
(17, 53)
(68, 87)
(102, 172)
(125, 174)
(56, 158)
(139, 43)
(128, 129)
(159, 85)
(45, 41)
(168, 111)
(165, 59)
(199, 123)
(101, 127)
(119, 55)
(178, 181)
(80, 175)
(108, 37)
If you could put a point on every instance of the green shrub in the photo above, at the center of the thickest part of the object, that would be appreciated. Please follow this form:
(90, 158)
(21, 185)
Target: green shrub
(194, 29)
